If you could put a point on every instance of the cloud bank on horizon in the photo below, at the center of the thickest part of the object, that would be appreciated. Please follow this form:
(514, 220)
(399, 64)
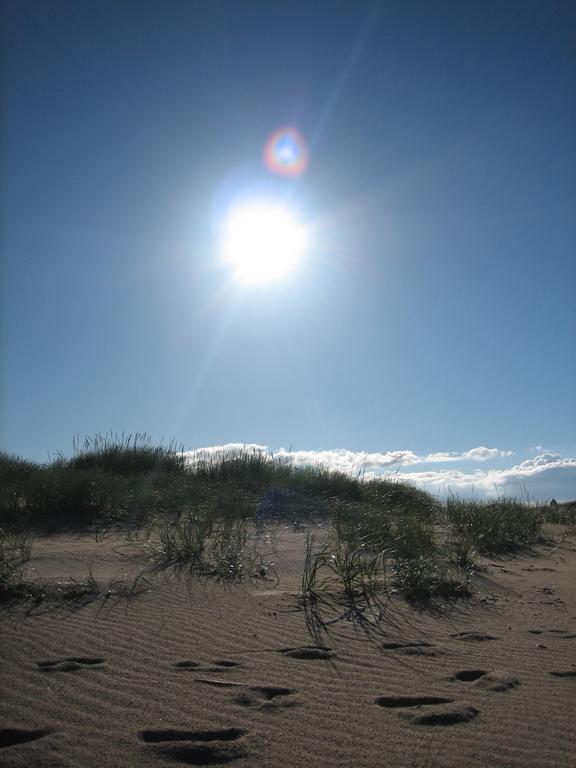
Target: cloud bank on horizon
(546, 476)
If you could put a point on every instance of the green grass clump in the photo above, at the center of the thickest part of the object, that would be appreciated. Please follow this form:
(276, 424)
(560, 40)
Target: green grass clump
(493, 526)
(334, 567)
(373, 546)
(127, 454)
(10, 573)
(413, 537)
(561, 514)
(388, 515)
(14, 470)
(360, 523)
(184, 540)
(16, 475)
(15, 550)
(423, 578)
(399, 498)
(209, 546)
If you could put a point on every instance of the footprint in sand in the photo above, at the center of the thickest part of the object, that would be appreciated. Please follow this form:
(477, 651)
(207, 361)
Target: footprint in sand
(308, 652)
(564, 673)
(413, 648)
(222, 664)
(219, 683)
(498, 681)
(393, 646)
(396, 702)
(561, 634)
(428, 652)
(217, 666)
(267, 697)
(469, 675)
(10, 737)
(449, 714)
(70, 664)
(188, 664)
(459, 713)
(264, 697)
(473, 637)
(197, 747)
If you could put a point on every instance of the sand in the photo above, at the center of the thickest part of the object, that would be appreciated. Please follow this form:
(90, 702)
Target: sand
(200, 673)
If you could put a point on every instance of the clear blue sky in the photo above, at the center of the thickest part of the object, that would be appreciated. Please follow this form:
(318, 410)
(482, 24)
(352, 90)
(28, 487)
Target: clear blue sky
(436, 310)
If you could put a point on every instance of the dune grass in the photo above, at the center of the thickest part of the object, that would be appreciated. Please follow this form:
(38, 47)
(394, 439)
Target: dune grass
(560, 514)
(124, 479)
(10, 561)
(127, 455)
(204, 513)
(493, 526)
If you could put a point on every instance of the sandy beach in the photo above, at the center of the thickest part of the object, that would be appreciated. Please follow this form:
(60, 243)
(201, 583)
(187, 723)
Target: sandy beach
(196, 672)
(287, 402)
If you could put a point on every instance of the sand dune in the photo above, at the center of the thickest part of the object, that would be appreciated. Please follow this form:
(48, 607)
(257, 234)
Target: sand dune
(194, 672)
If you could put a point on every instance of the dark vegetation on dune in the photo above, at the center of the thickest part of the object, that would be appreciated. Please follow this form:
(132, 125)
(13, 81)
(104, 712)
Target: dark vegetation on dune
(207, 515)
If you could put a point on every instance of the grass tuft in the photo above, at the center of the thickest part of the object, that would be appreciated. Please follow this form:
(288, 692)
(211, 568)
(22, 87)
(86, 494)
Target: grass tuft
(493, 526)
(423, 578)
(127, 454)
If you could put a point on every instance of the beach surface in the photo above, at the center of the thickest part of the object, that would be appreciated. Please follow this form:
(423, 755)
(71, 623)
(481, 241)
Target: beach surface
(167, 669)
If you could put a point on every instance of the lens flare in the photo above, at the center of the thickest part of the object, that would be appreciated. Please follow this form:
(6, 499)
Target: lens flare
(286, 153)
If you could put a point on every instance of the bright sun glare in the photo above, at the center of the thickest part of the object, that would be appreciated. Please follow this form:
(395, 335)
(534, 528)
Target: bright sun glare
(263, 242)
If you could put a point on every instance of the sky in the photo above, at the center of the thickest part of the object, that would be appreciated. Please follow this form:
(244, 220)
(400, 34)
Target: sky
(429, 328)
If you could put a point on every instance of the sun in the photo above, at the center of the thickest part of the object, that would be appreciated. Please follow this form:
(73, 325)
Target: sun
(263, 241)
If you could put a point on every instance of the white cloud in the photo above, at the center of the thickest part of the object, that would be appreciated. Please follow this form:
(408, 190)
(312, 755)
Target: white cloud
(483, 454)
(474, 454)
(352, 462)
(356, 461)
(539, 479)
(541, 461)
